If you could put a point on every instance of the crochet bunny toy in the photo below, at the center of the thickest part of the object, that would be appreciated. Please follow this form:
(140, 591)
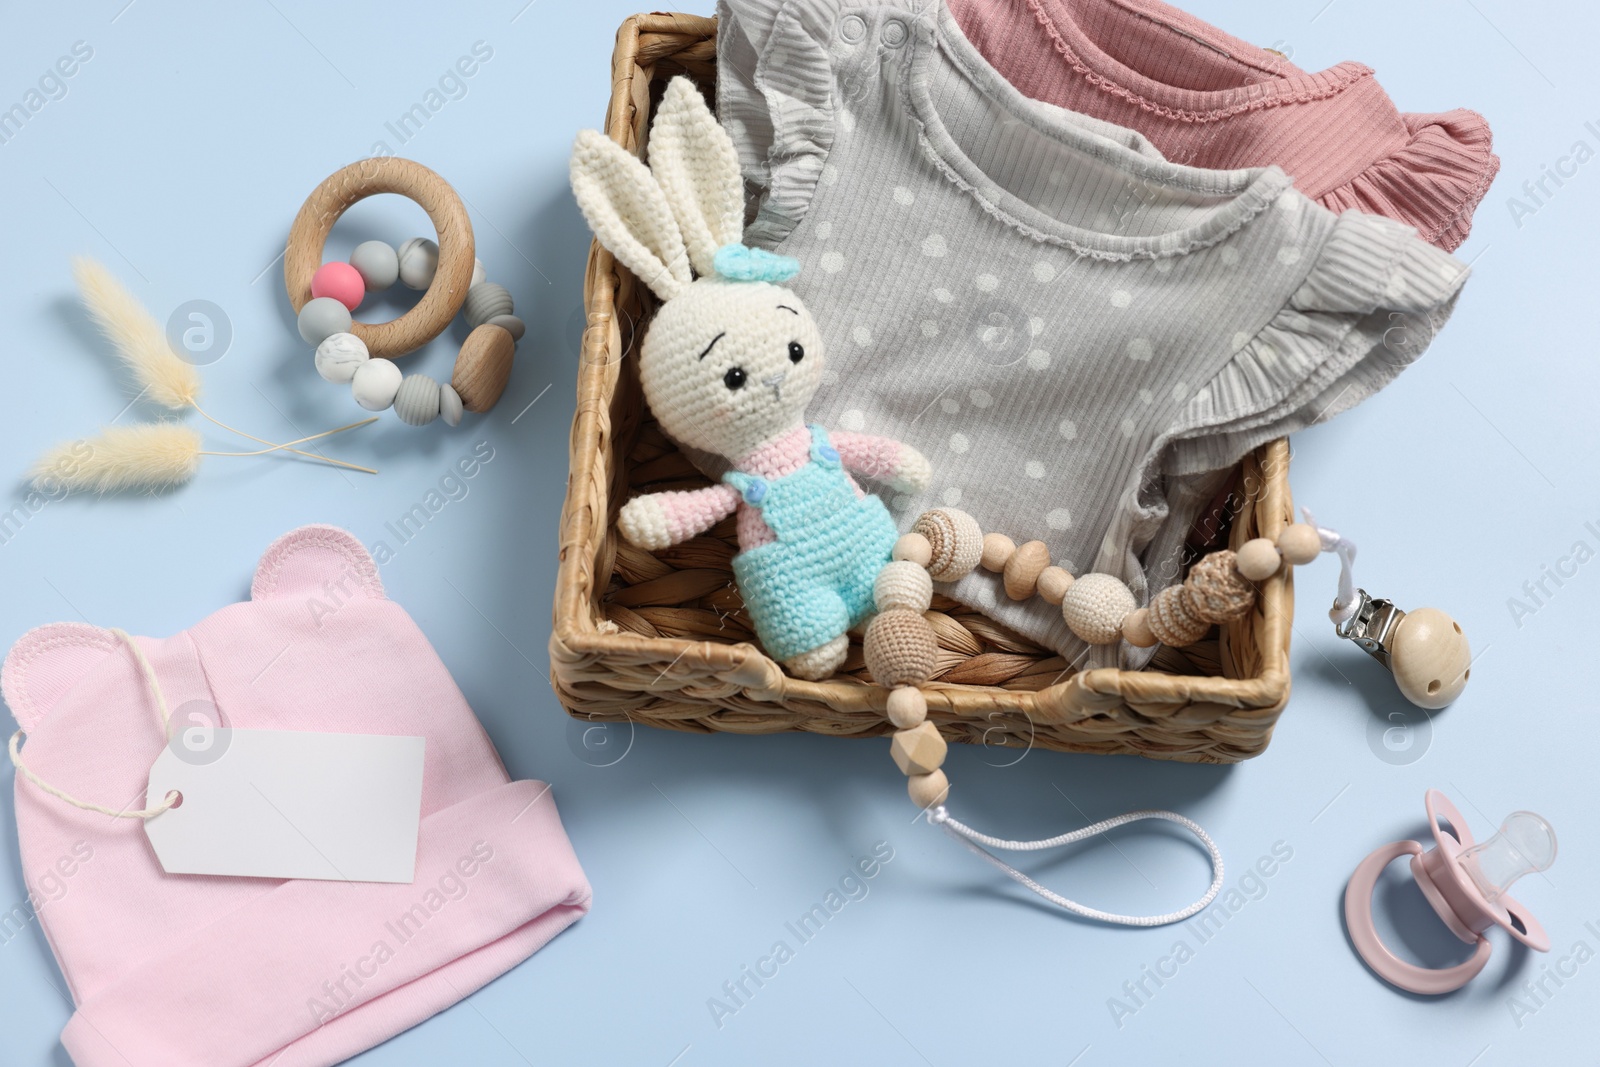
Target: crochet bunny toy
(728, 367)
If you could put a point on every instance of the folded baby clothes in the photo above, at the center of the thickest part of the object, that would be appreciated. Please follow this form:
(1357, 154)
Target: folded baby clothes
(1208, 99)
(1073, 332)
(174, 970)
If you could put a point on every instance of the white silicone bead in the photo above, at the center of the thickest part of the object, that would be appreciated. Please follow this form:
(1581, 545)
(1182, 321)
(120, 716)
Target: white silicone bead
(478, 272)
(375, 384)
(903, 584)
(378, 264)
(339, 355)
(449, 405)
(1094, 607)
(419, 258)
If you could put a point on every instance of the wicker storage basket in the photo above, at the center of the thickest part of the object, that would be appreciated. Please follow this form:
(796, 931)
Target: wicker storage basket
(661, 639)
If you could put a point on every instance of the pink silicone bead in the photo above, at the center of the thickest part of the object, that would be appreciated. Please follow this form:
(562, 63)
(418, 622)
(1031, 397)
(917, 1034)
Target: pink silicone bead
(340, 281)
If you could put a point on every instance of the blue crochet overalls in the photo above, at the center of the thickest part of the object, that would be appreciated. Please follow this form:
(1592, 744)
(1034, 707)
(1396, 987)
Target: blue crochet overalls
(814, 581)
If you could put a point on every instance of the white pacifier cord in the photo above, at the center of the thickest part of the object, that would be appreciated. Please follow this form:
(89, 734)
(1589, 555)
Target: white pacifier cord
(976, 841)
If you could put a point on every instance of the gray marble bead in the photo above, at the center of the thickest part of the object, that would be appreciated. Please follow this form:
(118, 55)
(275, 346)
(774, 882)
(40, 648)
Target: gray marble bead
(511, 324)
(417, 402)
(450, 405)
(339, 355)
(419, 259)
(484, 301)
(321, 318)
(378, 264)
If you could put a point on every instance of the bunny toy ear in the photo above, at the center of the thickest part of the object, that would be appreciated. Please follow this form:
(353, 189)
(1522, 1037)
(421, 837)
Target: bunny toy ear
(694, 160)
(629, 213)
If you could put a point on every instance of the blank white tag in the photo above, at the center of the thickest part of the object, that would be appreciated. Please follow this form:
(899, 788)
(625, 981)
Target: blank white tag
(290, 804)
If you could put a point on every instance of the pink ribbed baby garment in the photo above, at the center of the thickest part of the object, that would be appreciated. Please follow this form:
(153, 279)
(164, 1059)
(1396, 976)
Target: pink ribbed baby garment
(1208, 99)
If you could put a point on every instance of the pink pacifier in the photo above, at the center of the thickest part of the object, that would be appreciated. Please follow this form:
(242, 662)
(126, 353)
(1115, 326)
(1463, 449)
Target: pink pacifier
(1465, 882)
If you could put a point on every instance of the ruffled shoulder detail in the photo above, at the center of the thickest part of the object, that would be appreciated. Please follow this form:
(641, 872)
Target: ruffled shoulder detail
(786, 100)
(1372, 302)
(1435, 182)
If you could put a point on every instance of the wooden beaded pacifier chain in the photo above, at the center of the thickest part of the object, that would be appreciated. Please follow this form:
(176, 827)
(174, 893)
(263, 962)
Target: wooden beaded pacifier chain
(1429, 658)
(361, 353)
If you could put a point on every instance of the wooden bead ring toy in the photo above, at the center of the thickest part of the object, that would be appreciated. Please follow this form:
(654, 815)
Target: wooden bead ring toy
(359, 353)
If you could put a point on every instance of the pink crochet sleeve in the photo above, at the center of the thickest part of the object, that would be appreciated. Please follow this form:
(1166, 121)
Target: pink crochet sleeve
(689, 512)
(878, 458)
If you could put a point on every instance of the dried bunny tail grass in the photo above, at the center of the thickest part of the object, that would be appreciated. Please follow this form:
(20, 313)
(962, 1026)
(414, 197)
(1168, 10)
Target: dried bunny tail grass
(155, 455)
(139, 341)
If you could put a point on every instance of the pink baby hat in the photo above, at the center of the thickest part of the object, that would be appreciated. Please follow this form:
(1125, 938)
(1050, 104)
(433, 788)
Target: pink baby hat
(172, 970)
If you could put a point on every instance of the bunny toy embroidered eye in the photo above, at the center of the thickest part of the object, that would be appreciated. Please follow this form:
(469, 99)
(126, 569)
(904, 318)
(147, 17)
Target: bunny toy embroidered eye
(728, 366)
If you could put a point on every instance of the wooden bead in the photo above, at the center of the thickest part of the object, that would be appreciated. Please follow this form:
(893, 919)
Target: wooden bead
(511, 324)
(483, 367)
(928, 790)
(955, 542)
(903, 584)
(913, 548)
(1095, 606)
(900, 648)
(1430, 658)
(1217, 591)
(919, 750)
(1257, 559)
(907, 707)
(1022, 570)
(1136, 629)
(1172, 620)
(1300, 543)
(997, 550)
(1054, 583)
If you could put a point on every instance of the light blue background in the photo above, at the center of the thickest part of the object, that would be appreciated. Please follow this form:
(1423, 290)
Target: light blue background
(178, 157)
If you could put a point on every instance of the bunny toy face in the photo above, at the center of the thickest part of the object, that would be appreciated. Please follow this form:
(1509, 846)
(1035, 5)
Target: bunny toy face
(732, 356)
(729, 365)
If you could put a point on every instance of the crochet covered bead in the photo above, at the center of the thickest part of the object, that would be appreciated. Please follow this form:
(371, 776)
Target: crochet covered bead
(1217, 591)
(903, 584)
(900, 648)
(956, 540)
(1095, 606)
(1173, 621)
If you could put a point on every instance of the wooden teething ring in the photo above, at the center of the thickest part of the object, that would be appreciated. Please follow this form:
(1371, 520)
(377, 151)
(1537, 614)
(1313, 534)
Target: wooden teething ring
(369, 177)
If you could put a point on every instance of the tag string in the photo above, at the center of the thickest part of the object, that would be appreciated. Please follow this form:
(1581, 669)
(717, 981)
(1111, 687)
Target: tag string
(976, 842)
(172, 797)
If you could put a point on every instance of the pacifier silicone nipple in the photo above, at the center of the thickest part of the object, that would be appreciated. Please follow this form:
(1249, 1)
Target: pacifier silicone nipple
(1524, 845)
(1465, 882)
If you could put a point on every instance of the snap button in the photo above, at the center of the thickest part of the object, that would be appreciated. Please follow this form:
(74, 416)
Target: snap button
(852, 28)
(894, 33)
